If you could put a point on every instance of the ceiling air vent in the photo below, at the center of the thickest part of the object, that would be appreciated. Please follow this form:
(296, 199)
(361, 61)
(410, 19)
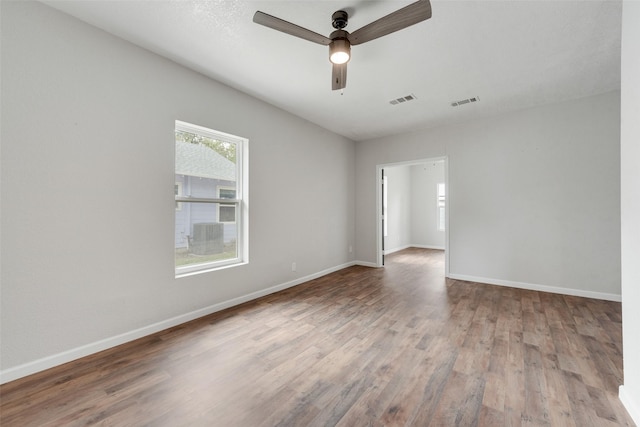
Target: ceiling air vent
(407, 98)
(465, 101)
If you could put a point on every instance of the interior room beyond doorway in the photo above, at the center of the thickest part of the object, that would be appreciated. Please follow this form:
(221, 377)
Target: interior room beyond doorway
(412, 202)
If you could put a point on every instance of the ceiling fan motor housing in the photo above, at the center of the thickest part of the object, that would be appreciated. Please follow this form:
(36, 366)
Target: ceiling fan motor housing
(340, 19)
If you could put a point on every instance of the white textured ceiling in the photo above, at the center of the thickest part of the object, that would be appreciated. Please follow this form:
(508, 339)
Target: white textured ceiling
(511, 54)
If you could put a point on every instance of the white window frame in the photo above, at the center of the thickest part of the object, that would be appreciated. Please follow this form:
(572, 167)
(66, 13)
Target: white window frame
(240, 202)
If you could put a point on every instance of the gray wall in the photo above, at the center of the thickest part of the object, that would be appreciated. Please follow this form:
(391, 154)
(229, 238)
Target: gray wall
(630, 142)
(424, 207)
(533, 195)
(88, 181)
(398, 208)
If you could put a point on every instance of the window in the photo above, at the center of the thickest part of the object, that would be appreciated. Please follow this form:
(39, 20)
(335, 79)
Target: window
(211, 195)
(178, 192)
(441, 206)
(226, 211)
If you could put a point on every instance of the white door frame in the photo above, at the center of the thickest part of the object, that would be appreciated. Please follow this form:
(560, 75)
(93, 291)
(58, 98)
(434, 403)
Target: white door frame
(378, 184)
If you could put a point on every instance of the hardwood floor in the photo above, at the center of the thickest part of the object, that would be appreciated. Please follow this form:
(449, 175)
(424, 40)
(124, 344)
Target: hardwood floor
(360, 347)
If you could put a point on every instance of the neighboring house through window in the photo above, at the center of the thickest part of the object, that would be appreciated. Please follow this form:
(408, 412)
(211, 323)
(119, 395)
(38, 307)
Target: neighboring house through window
(226, 211)
(210, 194)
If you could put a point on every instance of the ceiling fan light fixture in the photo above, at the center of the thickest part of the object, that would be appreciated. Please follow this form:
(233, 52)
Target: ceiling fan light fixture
(340, 51)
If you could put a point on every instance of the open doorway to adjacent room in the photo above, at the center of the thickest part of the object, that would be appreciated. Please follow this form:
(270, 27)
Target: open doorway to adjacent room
(412, 207)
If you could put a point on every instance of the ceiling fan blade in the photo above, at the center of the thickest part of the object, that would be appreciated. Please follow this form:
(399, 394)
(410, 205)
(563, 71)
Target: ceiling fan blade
(401, 18)
(339, 76)
(289, 28)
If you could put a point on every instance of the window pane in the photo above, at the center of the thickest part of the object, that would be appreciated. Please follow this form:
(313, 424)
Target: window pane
(227, 193)
(203, 165)
(202, 239)
(227, 213)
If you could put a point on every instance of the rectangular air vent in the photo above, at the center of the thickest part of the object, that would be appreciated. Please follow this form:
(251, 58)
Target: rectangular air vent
(397, 101)
(465, 101)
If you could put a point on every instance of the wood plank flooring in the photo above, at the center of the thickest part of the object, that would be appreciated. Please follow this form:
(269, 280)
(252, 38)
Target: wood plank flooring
(399, 346)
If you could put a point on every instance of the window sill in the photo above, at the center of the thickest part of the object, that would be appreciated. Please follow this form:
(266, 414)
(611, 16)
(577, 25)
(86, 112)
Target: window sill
(180, 275)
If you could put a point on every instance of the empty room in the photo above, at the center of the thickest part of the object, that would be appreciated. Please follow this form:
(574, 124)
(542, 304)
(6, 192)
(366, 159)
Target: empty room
(320, 213)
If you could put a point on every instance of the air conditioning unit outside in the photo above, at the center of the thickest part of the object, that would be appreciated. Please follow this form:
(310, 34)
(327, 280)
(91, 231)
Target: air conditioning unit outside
(207, 239)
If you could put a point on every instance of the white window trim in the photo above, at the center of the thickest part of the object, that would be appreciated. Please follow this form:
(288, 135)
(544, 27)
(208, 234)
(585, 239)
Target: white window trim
(241, 201)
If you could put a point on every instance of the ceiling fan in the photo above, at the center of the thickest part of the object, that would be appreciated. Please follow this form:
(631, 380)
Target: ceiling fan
(340, 41)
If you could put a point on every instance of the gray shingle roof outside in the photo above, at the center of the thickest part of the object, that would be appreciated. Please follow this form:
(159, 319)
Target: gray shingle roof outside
(200, 160)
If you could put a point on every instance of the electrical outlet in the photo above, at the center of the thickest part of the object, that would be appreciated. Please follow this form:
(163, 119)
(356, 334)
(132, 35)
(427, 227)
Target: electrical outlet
(293, 266)
(350, 249)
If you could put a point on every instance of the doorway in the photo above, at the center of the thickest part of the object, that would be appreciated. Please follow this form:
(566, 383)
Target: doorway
(412, 208)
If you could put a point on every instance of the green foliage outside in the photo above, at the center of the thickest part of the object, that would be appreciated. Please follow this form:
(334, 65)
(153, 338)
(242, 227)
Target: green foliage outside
(225, 149)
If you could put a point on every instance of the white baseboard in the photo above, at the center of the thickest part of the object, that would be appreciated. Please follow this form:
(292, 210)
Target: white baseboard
(633, 408)
(366, 264)
(541, 288)
(400, 248)
(48, 362)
